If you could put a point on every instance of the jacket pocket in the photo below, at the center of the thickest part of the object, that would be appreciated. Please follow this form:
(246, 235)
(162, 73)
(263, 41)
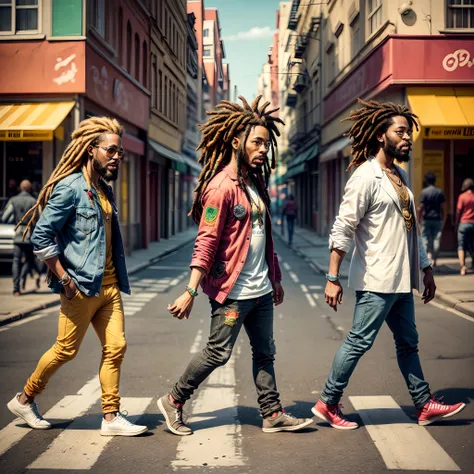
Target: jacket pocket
(86, 220)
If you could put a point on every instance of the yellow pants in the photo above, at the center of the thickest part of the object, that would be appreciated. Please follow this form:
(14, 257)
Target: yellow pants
(105, 312)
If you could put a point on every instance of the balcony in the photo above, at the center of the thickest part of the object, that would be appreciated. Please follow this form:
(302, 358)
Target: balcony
(293, 21)
(291, 99)
(300, 46)
(300, 83)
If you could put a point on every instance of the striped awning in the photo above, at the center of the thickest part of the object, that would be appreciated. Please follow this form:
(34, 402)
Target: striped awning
(32, 122)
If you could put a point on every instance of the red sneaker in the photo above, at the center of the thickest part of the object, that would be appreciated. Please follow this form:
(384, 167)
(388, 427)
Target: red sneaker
(435, 410)
(333, 415)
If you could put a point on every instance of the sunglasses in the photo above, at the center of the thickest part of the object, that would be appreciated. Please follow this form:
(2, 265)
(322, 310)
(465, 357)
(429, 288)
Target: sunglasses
(111, 151)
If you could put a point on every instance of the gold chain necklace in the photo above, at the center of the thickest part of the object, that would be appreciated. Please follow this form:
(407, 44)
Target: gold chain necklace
(402, 193)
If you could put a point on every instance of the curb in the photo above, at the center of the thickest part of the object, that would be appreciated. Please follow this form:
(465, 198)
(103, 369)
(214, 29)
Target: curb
(29, 312)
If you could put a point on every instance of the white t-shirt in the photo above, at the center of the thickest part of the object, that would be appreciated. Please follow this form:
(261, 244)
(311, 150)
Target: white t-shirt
(253, 281)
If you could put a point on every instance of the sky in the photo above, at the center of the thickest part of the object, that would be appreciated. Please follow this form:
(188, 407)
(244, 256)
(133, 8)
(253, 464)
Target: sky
(247, 27)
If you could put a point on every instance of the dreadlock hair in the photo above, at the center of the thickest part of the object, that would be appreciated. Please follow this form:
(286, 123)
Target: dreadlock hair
(227, 121)
(370, 120)
(90, 132)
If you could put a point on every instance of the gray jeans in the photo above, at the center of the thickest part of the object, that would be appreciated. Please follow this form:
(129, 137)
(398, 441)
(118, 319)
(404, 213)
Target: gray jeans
(431, 235)
(256, 315)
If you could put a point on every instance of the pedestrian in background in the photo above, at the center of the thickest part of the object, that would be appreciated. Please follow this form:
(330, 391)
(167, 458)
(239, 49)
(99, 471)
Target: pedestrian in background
(78, 237)
(290, 212)
(431, 216)
(234, 259)
(378, 213)
(465, 223)
(23, 257)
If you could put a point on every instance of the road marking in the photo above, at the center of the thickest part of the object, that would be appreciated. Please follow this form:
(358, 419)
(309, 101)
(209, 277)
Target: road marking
(79, 446)
(29, 319)
(310, 299)
(71, 406)
(316, 287)
(452, 310)
(216, 442)
(294, 277)
(304, 288)
(286, 266)
(197, 342)
(403, 444)
(315, 296)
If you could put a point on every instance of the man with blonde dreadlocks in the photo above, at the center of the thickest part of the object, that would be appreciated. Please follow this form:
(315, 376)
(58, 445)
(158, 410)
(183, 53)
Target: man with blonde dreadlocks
(378, 212)
(78, 237)
(234, 259)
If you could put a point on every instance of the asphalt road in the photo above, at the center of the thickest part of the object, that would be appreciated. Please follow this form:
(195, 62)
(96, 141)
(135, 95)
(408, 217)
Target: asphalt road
(224, 412)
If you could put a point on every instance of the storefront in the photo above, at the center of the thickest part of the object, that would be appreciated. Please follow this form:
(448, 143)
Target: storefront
(38, 109)
(112, 93)
(436, 81)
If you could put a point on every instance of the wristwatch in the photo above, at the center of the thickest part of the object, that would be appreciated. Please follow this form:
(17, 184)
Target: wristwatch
(332, 278)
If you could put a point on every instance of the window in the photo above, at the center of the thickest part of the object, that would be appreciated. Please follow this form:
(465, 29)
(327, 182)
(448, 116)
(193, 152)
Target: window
(129, 47)
(356, 37)
(206, 52)
(120, 35)
(165, 98)
(154, 85)
(460, 14)
(98, 15)
(374, 16)
(66, 18)
(206, 33)
(331, 64)
(145, 64)
(160, 91)
(19, 16)
(137, 57)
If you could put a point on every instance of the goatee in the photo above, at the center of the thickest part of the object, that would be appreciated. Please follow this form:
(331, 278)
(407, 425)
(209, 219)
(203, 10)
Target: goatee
(392, 151)
(105, 174)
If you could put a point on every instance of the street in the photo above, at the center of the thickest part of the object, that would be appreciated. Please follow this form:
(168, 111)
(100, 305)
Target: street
(224, 412)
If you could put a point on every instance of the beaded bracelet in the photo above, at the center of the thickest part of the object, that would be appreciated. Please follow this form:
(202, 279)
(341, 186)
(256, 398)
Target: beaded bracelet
(191, 291)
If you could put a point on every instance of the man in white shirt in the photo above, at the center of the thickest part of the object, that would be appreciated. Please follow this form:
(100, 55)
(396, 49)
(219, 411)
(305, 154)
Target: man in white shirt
(378, 213)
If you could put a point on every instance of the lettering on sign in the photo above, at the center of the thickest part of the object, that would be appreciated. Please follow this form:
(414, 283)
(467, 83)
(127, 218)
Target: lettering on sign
(69, 75)
(101, 81)
(449, 133)
(120, 95)
(460, 58)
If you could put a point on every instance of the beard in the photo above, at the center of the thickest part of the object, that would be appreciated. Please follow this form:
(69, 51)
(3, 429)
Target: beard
(391, 150)
(104, 172)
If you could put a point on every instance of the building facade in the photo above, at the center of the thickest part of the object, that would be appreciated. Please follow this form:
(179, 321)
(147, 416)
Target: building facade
(362, 52)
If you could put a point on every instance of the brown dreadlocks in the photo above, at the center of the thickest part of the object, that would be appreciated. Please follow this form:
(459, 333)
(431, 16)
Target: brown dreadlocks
(229, 120)
(89, 132)
(370, 120)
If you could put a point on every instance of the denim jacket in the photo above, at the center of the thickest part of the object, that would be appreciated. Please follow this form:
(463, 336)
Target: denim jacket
(72, 227)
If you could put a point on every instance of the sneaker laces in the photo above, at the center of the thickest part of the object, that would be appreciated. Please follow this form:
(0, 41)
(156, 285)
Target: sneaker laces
(437, 402)
(121, 416)
(34, 409)
(181, 416)
(338, 410)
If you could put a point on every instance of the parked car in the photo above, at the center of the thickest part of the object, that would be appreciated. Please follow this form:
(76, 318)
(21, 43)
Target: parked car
(7, 232)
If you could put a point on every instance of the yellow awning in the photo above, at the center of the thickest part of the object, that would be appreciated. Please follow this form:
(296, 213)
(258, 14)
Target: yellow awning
(32, 122)
(443, 107)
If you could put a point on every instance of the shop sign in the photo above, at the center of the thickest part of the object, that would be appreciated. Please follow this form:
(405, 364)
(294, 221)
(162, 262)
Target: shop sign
(460, 58)
(26, 135)
(449, 133)
(433, 162)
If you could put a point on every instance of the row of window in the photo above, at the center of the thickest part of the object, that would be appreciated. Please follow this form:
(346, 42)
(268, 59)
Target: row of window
(166, 96)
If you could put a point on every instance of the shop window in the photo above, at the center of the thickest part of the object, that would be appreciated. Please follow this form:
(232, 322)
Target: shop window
(374, 15)
(19, 16)
(460, 14)
(206, 52)
(66, 18)
(129, 47)
(137, 57)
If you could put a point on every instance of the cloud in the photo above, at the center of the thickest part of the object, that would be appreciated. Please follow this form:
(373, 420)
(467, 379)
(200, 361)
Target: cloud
(254, 33)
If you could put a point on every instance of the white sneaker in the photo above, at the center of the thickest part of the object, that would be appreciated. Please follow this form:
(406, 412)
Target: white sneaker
(28, 413)
(120, 426)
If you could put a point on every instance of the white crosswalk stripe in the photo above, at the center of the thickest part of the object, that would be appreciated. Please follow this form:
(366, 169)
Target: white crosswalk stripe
(402, 443)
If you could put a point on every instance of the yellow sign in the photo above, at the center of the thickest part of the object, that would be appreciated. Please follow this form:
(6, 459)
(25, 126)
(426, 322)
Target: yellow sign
(433, 162)
(25, 135)
(449, 133)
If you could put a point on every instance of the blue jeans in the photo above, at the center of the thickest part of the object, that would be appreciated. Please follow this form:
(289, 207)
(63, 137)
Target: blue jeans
(431, 235)
(256, 315)
(371, 310)
(290, 222)
(466, 237)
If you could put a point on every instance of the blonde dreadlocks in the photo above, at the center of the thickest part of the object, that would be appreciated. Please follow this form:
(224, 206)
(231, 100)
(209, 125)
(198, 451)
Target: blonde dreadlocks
(370, 120)
(228, 121)
(89, 132)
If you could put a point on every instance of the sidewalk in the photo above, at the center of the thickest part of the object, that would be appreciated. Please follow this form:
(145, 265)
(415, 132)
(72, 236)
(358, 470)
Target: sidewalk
(32, 300)
(453, 290)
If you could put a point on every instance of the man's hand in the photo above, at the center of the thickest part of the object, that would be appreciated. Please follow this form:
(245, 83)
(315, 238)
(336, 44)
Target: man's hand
(430, 287)
(278, 293)
(70, 290)
(182, 306)
(333, 294)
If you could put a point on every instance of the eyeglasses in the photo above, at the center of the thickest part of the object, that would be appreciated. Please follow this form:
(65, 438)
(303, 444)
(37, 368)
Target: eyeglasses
(111, 151)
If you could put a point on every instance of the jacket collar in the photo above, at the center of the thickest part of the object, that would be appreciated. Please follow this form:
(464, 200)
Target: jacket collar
(231, 174)
(385, 182)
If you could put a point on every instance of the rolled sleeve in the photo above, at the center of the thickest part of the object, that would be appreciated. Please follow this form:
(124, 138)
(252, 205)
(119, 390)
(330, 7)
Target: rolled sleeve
(355, 203)
(58, 210)
(210, 228)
